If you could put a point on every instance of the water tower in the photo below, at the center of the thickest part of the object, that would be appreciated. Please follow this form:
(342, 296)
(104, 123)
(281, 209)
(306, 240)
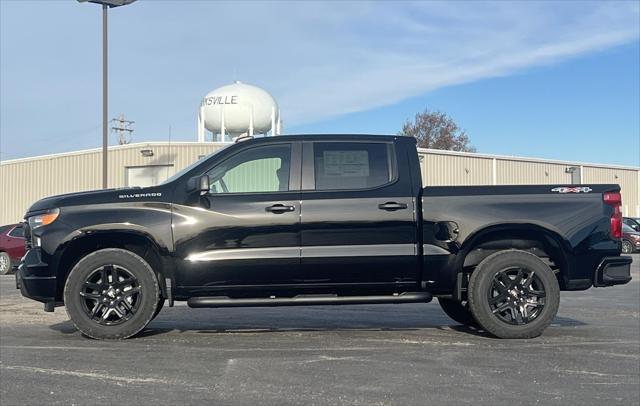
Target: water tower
(238, 109)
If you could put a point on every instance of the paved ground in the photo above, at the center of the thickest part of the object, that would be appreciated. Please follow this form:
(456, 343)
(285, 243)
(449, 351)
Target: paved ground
(373, 355)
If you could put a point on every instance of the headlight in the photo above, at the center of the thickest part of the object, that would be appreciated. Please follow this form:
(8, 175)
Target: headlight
(43, 219)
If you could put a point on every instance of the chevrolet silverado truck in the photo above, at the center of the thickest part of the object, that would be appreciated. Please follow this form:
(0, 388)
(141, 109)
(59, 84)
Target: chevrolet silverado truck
(320, 220)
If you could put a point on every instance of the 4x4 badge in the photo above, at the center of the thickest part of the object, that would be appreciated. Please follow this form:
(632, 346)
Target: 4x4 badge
(581, 189)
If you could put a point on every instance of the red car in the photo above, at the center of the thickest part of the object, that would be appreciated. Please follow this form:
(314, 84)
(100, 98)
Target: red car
(630, 240)
(11, 247)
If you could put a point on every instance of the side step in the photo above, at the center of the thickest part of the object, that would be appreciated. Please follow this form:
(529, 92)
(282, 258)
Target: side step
(309, 300)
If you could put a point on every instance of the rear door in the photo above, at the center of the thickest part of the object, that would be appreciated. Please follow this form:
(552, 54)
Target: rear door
(358, 216)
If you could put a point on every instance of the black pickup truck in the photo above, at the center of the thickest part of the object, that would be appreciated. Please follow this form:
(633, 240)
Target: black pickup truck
(318, 220)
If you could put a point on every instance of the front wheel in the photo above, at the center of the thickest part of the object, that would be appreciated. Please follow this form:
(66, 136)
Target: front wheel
(111, 294)
(513, 294)
(627, 247)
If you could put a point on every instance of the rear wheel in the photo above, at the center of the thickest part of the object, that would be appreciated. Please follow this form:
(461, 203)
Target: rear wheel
(458, 311)
(111, 294)
(5, 263)
(627, 247)
(513, 294)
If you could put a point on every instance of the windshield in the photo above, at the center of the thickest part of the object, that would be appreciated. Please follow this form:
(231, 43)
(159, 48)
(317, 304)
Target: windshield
(193, 165)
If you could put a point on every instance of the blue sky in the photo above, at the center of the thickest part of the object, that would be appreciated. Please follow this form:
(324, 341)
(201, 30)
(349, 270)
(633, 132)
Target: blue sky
(555, 80)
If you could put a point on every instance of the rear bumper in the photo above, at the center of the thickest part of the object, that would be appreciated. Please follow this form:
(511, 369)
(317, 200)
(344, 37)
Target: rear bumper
(34, 279)
(613, 271)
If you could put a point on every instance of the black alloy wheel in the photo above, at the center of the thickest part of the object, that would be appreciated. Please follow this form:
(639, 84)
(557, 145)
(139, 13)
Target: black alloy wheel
(517, 295)
(111, 295)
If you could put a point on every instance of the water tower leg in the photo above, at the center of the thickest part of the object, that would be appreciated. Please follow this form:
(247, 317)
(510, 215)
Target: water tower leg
(251, 122)
(201, 126)
(222, 125)
(273, 120)
(279, 124)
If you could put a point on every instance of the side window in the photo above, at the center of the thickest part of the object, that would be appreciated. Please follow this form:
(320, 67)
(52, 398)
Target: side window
(17, 232)
(259, 169)
(352, 165)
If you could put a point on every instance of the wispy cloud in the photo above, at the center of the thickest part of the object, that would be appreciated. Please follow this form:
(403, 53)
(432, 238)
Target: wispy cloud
(384, 53)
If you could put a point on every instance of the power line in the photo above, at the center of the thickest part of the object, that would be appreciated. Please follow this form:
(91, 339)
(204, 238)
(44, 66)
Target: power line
(124, 129)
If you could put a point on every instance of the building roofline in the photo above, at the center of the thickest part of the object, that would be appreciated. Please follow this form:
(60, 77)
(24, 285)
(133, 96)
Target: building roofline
(526, 159)
(111, 148)
(422, 150)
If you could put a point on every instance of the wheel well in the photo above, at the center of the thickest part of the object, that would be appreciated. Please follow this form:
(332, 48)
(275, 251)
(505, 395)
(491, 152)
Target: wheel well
(78, 248)
(541, 242)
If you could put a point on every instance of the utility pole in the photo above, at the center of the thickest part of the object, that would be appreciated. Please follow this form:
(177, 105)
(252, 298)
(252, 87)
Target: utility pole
(106, 4)
(124, 129)
(105, 97)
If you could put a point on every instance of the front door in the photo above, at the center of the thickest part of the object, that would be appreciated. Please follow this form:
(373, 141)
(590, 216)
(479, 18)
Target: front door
(358, 220)
(248, 225)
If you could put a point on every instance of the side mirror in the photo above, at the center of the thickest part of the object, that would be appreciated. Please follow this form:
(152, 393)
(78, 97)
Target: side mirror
(198, 184)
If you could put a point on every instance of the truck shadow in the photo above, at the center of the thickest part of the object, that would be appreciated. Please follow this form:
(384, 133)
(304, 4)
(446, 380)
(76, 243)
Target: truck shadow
(254, 321)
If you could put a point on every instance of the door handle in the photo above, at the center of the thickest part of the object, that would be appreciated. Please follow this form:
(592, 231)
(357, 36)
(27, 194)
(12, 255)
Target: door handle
(280, 208)
(392, 206)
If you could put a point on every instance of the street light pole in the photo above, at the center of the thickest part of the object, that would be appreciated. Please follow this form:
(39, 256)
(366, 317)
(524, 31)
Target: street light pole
(106, 4)
(105, 96)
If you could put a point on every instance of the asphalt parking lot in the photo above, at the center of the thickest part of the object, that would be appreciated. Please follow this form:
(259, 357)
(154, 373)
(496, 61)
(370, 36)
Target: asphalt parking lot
(352, 355)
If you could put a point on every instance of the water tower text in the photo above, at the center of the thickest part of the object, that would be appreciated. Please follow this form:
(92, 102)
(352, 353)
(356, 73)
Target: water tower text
(210, 101)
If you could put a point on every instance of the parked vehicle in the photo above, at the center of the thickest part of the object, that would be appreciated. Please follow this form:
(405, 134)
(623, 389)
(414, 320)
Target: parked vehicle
(312, 220)
(630, 240)
(11, 247)
(632, 222)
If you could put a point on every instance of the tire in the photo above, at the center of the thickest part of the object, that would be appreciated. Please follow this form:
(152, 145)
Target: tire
(158, 308)
(458, 311)
(627, 247)
(111, 294)
(5, 263)
(513, 294)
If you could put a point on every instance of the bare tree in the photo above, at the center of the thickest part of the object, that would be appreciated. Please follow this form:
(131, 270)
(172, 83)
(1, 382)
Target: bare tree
(436, 130)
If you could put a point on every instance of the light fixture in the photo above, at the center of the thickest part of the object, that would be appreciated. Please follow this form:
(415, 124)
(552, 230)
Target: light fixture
(146, 152)
(110, 3)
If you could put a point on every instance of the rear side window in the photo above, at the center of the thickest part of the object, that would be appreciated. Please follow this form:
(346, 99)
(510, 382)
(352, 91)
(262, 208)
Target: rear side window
(352, 165)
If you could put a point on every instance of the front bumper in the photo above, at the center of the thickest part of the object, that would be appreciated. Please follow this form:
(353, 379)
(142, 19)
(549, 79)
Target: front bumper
(613, 271)
(34, 278)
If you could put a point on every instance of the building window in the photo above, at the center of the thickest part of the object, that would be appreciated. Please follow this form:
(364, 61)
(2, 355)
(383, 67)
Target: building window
(150, 175)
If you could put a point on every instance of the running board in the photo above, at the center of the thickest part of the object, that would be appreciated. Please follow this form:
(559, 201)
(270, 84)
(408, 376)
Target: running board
(309, 300)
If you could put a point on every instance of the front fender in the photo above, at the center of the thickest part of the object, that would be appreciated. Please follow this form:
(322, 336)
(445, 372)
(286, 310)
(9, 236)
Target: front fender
(151, 220)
